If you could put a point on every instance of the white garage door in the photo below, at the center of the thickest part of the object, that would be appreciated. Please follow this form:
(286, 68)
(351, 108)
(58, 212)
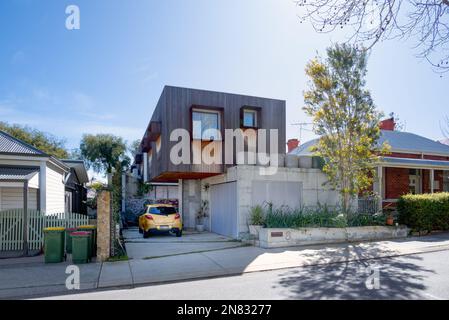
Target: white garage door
(223, 209)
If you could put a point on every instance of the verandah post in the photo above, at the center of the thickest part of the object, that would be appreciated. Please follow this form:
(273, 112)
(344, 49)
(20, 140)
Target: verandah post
(25, 218)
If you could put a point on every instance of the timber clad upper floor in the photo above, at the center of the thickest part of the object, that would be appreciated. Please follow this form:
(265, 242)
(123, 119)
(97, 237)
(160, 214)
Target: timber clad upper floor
(196, 111)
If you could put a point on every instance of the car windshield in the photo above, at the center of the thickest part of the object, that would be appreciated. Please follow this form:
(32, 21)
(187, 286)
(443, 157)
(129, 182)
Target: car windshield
(161, 210)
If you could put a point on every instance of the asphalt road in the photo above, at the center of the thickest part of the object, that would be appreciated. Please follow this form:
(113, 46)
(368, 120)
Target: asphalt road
(419, 276)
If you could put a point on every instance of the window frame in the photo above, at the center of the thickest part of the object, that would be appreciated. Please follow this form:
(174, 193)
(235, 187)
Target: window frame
(254, 113)
(257, 117)
(209, 110)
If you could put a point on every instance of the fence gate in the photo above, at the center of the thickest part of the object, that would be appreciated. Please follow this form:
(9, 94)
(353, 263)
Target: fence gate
(11, 230)
(12, 236)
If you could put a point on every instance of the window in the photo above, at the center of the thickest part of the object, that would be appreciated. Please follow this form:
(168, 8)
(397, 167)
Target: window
(250, 118)
(158, 145)
(165, 211)
(206, 125)
(446, 181)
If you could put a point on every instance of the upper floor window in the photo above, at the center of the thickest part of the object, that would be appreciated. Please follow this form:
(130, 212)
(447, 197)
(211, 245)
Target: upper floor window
(250, 118)
(206, 124)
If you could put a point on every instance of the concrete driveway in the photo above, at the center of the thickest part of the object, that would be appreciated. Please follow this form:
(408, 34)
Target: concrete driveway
(169, 245)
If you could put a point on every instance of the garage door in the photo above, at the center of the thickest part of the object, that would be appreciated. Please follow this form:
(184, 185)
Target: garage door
(223, 209)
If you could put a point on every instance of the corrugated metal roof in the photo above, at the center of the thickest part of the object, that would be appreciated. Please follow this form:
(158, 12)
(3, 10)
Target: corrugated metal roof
(9, 144)
(17, 173)
(80, 169)
(445, 141)
(399, 141)
(406, 141)
(304, 149)
(418, 163)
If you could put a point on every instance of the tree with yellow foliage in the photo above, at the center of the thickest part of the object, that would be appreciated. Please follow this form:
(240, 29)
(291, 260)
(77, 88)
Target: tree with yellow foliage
(345, 118)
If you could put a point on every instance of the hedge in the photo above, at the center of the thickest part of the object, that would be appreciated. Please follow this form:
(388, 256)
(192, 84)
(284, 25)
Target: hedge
(424, 212)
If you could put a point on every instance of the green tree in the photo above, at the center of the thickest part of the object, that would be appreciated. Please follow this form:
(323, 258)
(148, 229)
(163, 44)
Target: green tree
(38, 139)
(134, 147)
(104, 152)
(345, 118)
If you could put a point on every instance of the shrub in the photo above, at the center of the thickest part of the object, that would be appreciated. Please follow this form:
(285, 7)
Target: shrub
(321, 216)
(424, 212)
(256, 215)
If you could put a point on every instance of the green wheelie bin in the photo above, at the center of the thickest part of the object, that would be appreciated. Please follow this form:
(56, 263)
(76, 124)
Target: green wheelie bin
(54, 244)
(80, 247)
(93, 240)
(68, 239)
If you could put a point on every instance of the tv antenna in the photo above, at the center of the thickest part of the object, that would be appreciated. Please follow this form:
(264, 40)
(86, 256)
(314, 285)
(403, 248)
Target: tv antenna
(302, 126)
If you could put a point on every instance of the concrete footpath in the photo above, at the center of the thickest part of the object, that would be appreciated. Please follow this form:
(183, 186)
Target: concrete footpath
(30, 277)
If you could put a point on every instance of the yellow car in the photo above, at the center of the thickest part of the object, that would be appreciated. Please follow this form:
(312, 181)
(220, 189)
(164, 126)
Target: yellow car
(160, 218)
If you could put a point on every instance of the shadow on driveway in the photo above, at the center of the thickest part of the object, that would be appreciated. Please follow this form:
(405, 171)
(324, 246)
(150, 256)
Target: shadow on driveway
(389, 278)
(165, 245)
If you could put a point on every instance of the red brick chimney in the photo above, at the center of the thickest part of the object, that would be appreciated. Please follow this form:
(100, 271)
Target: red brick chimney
(387, 124)
(292, 144)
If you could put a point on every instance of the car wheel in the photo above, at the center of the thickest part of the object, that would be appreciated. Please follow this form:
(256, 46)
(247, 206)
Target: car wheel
(140, 230)
(146, 234)
(179, 233)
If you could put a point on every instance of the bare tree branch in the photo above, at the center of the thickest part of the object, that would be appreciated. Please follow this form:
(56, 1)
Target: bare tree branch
(371, 21)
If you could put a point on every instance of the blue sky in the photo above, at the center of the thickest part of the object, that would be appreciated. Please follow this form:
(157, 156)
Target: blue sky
(107, 76)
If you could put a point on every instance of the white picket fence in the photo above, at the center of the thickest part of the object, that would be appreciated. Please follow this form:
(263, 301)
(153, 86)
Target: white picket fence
(11, 227)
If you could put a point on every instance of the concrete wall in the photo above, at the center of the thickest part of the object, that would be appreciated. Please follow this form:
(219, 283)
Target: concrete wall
(285, 237)
(310, 183)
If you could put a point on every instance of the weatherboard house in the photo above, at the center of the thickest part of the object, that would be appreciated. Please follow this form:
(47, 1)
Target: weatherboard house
(32, 179)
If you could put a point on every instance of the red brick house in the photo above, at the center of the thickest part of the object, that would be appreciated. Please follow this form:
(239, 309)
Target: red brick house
(415, 164)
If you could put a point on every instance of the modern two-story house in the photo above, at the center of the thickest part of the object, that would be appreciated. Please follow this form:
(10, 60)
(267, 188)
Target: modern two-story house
(217, 126)
(197, 111)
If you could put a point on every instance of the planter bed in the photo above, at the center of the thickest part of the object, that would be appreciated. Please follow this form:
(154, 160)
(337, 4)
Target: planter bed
(286, 237)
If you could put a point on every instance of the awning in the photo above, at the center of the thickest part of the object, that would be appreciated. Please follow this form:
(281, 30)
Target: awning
(17, 174)
(414, 163)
